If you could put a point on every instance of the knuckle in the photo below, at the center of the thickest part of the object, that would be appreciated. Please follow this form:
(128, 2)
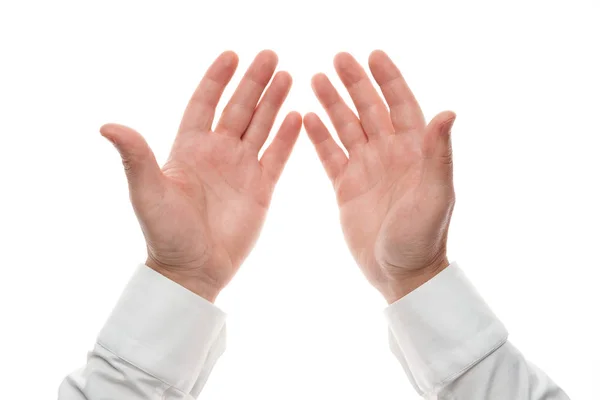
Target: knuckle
(127, 164)
(446, 157)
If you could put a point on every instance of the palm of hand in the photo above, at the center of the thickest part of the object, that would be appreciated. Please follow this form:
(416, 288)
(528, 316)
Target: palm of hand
(392, 212)
(216, 199)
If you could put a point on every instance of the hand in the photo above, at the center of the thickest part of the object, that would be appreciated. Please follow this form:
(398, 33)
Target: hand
(394, 190)
(202, 212)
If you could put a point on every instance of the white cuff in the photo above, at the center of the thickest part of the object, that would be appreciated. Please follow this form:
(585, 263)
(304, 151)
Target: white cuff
(441, 329)
(164, 329)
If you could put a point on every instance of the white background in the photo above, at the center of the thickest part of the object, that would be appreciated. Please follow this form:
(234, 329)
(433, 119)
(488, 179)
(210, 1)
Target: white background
(303, 323)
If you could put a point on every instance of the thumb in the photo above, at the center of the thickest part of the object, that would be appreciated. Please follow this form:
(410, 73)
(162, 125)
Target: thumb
(438, 146)
(437, 137)
(140, 165)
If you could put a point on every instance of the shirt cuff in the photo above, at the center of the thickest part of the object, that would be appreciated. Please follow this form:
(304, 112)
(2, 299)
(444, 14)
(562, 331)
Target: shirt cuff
(164, 329)
(441, 329)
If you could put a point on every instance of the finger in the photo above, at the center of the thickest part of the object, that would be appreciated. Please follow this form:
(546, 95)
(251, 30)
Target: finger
(200, 111)
(266, 112)
(405, 111)
(437, 147)
(276, 155)
(343, 118)
(141, 168)
(331, 155)
(374, 115)
(238, 112)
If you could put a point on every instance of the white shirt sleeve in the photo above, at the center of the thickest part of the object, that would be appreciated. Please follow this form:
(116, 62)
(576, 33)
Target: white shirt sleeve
(453, 347)
(160, 343)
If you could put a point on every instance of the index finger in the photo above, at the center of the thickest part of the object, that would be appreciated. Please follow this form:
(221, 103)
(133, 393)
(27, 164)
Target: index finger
(405, 111)
(200, 111)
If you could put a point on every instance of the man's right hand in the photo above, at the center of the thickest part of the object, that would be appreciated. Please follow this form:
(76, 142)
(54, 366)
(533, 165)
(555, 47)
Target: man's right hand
(202, 212)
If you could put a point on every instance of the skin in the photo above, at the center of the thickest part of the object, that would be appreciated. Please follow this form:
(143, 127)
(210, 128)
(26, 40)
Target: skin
(202, 212)
(394, 189)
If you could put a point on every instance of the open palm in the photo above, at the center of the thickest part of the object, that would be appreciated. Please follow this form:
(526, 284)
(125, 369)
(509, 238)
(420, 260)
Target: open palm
(201, 213)
(394, 188)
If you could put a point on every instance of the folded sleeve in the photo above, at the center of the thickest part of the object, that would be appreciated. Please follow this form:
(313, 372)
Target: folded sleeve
(452, 346)
(161, 341)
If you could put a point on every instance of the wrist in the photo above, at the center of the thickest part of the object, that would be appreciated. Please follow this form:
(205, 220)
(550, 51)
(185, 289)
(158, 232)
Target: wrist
(191, 280)
(401, 284)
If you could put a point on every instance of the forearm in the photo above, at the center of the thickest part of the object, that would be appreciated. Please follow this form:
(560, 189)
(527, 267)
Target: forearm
(160, 342)
(452, 345)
